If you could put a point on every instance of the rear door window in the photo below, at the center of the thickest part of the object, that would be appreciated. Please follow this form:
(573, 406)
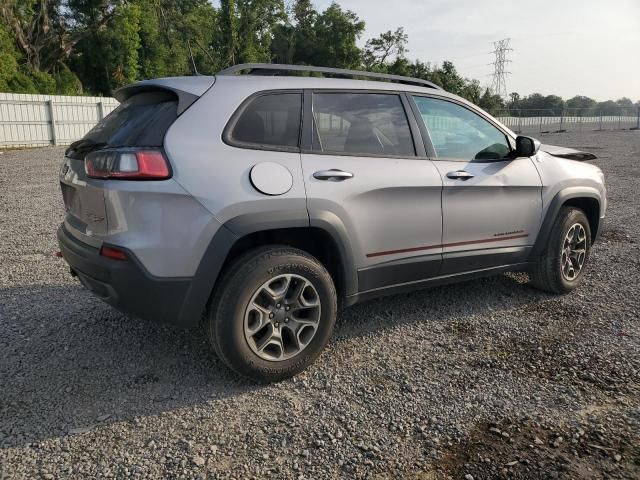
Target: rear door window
(269, 120)
(361, 123)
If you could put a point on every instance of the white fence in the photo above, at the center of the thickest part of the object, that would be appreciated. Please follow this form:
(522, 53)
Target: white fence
(39, 120)
(571, 123)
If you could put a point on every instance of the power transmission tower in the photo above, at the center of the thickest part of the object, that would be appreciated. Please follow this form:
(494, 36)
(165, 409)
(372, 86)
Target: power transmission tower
(499, 82)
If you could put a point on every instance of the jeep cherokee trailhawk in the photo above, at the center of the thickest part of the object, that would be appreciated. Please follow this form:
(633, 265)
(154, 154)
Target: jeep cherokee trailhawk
(256, 203)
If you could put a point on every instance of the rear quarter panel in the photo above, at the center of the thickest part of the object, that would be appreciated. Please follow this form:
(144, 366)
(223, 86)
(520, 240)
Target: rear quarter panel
(217, 174)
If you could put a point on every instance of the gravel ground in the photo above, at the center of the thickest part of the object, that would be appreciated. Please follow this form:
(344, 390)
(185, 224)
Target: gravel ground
(486, 379)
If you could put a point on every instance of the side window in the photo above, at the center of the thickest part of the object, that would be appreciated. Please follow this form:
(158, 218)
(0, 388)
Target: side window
(365, 123)
(457, 132)
(270, 120)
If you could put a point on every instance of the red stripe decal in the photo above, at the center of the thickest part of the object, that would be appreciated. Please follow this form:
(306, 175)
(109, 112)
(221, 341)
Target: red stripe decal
(444, 245)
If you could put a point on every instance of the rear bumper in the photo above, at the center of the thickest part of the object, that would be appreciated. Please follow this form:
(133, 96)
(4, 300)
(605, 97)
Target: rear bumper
(126, 285)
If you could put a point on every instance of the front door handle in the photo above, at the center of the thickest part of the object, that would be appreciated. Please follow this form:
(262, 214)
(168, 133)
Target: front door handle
(460, 175)
(332, 175)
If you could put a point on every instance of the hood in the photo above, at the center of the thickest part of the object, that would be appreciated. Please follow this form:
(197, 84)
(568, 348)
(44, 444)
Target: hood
(569, 153)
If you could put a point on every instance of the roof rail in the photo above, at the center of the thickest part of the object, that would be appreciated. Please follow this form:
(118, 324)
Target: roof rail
(272, 69)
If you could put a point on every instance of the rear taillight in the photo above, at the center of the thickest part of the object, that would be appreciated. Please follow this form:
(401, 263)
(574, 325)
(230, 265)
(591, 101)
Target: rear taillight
(127, 165)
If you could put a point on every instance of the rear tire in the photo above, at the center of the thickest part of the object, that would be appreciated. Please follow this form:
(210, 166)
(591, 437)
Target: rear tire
(272, 313)
(561, 266)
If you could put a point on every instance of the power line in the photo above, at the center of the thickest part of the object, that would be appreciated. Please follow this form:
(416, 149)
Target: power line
(499, 82)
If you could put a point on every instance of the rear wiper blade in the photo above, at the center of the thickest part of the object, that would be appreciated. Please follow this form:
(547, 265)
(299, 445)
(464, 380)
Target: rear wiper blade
(84, 146)
(82, 141)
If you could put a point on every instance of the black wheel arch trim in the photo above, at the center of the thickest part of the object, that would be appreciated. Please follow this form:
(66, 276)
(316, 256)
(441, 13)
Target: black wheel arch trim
(233, 230)
(331, 223)
(558, 201)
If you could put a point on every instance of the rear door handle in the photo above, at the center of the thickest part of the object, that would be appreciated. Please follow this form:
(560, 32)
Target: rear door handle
(332, 175)
(460, 175)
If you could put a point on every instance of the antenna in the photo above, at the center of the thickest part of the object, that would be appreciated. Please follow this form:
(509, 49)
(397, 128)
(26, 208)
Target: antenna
(499, 82)
(205, 52)
(193, 62)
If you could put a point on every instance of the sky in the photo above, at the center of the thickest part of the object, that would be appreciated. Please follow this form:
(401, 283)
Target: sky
(561, 47)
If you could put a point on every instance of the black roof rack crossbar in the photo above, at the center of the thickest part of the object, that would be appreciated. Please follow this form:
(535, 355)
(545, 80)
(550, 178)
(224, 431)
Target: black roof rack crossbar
(272, 69)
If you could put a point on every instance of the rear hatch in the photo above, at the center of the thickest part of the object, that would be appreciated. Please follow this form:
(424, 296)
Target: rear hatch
(138, 125)
(140, 121)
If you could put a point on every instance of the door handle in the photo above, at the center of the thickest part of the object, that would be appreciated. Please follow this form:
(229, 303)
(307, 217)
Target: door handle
(333, 175)
(460, 175)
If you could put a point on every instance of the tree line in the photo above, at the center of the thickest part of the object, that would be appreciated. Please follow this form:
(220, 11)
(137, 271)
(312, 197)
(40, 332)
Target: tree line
(76, 47)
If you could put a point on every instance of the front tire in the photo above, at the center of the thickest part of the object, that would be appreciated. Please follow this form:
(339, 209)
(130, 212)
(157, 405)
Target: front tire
(273, 313)
(562, 263)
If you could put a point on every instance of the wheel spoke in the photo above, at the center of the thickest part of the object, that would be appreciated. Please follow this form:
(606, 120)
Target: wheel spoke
(575, 235)
(294, 291)
(257, 318)
(277, 288)
(271, 344)
(304, 315)
(309, 297)
(292, 338)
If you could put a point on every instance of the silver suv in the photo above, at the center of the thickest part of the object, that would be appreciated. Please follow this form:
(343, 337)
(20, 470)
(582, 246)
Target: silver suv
(257, 203)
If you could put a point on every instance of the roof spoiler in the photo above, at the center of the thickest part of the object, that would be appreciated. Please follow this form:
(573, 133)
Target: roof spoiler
(187, 89)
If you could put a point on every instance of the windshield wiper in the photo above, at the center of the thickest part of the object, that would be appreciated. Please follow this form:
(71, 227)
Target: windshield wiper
(83, 146)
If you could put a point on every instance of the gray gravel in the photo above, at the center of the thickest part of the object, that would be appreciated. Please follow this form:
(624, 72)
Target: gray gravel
(486, 379)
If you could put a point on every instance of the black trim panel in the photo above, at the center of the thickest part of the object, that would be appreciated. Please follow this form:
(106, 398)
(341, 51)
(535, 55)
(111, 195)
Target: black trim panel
(260, 221)
(126, 285)
(470, 260)
(204, 280)
(331, 223)
(552, 213)
(433, 282)
(399, 271)
(185, 99)
(425, 267)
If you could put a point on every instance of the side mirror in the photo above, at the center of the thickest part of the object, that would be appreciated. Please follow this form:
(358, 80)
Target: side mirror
(526, 146)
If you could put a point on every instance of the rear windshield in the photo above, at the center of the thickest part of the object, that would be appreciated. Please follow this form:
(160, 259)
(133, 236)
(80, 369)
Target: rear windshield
(140, 121)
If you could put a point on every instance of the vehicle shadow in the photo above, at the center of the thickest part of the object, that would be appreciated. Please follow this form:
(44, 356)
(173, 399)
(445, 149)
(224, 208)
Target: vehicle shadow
(68, 361)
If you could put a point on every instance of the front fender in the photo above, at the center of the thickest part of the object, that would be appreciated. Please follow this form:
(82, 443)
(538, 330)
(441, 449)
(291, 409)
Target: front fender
(560, 199)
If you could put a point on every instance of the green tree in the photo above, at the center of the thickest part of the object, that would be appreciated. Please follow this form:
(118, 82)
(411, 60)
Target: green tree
(448, 78)
(106, 59)
(491, 103)
(388, 46)
(542, 105)
(229, 47)
(257, 19)
(304, 33)
(608, 107)
(9, 58)
(580, 102)
(514, 100)
(472, 91)
(336, 32)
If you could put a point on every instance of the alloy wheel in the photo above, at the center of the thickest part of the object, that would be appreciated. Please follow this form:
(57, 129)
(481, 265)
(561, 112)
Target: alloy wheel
(282, 317)
(574, 251)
